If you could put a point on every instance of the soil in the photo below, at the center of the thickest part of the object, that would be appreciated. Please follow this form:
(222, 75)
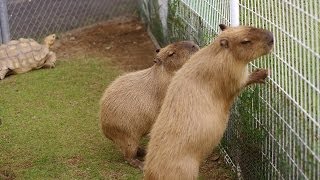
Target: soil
(125, 42)
(214, 167)
(127, 45)
(7, 175)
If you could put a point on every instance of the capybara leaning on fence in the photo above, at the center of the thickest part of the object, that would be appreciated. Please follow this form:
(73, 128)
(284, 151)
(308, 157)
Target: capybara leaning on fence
(132, 102)
(195, 111)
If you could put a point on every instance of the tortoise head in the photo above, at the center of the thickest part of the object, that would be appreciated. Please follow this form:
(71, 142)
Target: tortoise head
(49, 40)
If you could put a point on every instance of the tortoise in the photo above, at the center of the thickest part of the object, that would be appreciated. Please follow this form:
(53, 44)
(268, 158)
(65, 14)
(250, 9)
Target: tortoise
(23, 55)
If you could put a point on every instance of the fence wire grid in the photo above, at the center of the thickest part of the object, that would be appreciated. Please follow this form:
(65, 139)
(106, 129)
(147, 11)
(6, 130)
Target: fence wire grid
(274, 129)
(38, 18)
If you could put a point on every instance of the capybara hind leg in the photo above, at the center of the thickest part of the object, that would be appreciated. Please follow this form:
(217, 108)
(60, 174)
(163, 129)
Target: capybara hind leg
(141, 153)
(130, 148)
(184, 172)
(186, 169)
(171, 174)
(135, 163)
(131, 156)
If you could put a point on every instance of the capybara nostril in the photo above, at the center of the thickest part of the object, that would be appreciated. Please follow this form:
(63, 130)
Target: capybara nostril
(270, 38)
(196, 47)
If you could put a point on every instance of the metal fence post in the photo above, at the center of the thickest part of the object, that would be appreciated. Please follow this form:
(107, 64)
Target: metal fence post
(163, 13)
(5, 32)
(0, 33)
(234, 13)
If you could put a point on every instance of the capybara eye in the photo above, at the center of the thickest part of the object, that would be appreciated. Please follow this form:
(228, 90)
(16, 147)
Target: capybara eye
(157, 50)
(245, 41)
(171, 53)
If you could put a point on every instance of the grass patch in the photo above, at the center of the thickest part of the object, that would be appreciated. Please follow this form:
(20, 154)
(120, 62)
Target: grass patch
(49, 126)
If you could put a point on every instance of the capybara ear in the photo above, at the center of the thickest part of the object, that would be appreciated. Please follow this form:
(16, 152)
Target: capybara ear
(170, 53)
(223, 27)
(224, 43)
(157, 50)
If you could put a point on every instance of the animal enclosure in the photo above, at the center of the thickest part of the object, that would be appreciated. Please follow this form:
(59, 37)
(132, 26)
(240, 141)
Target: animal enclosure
(274, 131)
(35, 19)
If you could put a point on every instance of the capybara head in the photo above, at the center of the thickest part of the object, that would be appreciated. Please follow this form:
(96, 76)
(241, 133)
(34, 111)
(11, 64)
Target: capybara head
(176, 54)
(244, 42)
(49, 40)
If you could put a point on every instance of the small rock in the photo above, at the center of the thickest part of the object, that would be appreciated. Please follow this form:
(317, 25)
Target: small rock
(72, 38)
(138, 27)
(108, 47)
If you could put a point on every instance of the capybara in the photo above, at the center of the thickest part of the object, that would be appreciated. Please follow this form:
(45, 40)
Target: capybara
(195, 111)
(132, 102)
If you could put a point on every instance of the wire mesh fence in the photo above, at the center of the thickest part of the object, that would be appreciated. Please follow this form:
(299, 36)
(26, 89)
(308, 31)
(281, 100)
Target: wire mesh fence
(274, 129)
(291, 119)
(37, 18)
(197, 20)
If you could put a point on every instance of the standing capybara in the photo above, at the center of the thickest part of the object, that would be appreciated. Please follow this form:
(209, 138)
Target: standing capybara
(195, 111)
(132, 102)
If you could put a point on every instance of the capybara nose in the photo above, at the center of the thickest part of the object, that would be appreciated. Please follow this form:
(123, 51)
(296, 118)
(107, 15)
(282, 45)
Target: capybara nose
(196, 47)
(270, 38)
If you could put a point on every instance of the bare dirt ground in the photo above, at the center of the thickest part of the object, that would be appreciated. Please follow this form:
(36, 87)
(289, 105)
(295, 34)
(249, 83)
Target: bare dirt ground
(124, 41)
(126, 44)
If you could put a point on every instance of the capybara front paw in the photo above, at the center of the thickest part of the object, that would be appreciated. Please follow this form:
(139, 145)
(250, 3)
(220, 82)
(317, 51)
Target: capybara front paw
(259, 75)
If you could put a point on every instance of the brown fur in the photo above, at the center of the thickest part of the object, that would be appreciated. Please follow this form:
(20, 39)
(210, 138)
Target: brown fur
(195, 111)
(131, 103)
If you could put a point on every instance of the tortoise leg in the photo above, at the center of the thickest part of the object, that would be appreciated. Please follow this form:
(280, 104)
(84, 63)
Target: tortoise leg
(50, 62)
(3, 73)
(21, 70)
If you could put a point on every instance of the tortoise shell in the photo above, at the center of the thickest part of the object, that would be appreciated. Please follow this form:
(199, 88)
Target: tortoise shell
(21, 53)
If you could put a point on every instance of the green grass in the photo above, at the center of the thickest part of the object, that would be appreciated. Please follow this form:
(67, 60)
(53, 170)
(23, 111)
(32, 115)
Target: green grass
(49, 124)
